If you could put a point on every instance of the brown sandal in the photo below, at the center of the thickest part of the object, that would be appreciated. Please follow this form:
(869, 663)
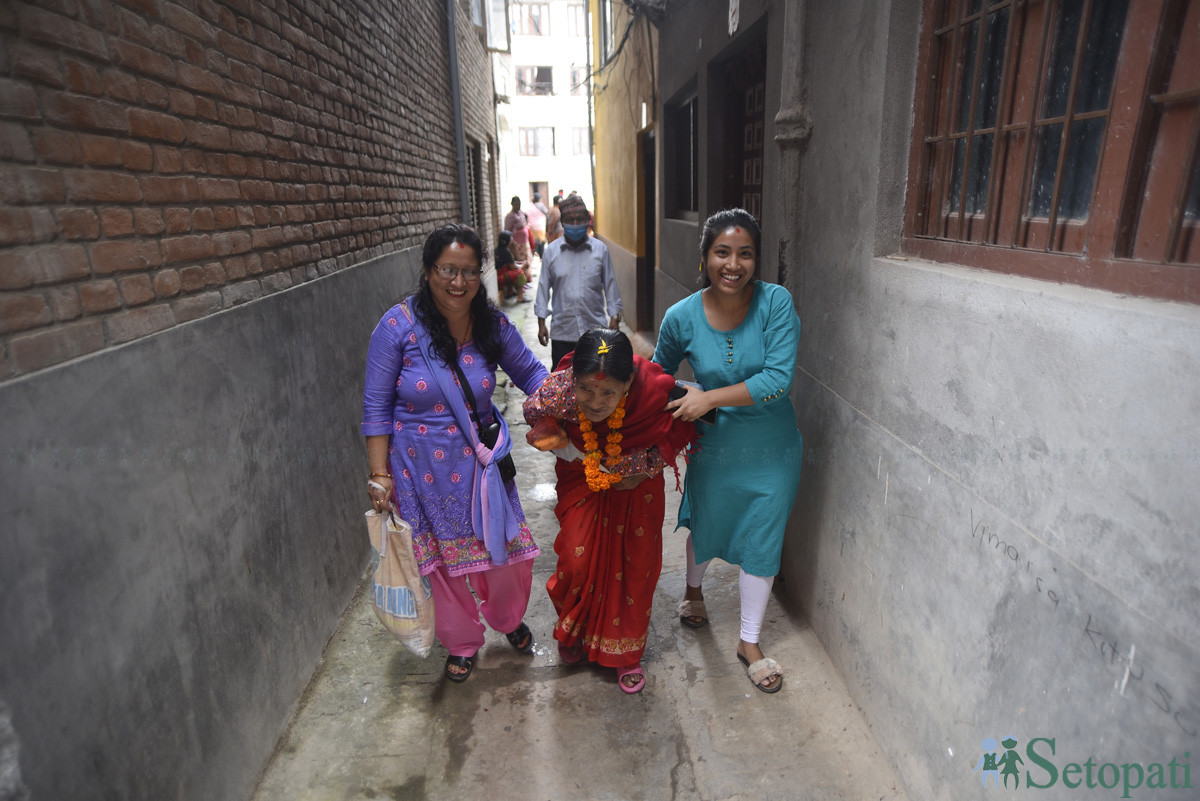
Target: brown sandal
(693, 614)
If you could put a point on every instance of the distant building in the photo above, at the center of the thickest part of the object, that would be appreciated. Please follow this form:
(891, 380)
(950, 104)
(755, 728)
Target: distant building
(542, 110)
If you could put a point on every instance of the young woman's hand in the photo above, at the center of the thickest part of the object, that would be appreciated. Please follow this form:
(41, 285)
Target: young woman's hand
(691, 406)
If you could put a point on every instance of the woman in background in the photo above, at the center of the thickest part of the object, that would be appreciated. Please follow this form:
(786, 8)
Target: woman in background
(509, 277)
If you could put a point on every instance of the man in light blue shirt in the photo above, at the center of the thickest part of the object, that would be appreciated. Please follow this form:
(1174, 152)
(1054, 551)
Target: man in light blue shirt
(577, 275)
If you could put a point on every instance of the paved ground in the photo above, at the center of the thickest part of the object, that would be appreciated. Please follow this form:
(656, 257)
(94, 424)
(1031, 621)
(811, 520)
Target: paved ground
(379, 723)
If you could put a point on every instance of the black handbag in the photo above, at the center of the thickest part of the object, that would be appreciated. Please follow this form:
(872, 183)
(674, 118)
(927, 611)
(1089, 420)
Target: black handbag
(490, 434)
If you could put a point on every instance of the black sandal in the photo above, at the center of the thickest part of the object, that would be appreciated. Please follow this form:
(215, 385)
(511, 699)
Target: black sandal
(521, 634)
(467, 662)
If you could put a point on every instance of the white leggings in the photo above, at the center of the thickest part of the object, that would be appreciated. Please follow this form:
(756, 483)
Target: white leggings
(755, 590)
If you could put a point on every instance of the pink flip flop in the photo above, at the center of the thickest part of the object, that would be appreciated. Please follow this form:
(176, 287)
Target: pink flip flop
(632, 670)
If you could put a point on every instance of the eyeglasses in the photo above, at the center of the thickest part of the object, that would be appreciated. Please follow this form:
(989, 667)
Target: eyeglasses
(469, 274)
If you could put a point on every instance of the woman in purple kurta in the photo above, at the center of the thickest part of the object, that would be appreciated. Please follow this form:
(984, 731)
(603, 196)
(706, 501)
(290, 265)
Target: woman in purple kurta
(424, 450)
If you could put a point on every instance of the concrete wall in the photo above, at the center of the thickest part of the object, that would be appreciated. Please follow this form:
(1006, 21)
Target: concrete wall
(995, 530)
(625, 266)
(173, 570)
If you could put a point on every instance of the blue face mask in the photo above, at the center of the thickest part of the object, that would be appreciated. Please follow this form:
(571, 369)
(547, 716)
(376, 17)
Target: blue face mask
(575, 233)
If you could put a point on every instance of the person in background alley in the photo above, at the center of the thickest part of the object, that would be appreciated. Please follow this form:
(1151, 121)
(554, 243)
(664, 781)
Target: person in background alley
(611, 497)
(537, 224)
(424, 449)
(509, 277)
(577, 286)
(516, 222)
(739, 335)
(553, 223)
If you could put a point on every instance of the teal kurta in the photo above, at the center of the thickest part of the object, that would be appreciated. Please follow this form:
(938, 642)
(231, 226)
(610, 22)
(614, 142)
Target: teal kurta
(742, 482)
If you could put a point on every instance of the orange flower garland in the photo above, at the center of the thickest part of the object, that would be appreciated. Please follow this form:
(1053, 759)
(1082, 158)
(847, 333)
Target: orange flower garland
(597, 479)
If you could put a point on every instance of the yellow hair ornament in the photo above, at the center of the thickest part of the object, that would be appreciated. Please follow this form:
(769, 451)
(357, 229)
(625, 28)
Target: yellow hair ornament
(603, 349)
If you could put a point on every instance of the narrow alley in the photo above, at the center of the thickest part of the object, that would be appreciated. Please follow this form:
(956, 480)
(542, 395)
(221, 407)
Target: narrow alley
(379, 723)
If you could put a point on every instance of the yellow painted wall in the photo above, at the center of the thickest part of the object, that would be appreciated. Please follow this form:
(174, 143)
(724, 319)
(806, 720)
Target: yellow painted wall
(620, 88)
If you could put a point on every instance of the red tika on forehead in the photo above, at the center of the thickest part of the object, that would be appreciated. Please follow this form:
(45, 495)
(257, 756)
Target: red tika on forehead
(599, 375)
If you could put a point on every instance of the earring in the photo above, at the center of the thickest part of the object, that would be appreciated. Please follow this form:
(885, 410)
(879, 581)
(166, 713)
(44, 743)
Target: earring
(700, 269)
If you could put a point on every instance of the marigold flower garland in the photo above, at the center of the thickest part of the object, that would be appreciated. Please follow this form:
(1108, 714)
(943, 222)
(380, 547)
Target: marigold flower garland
(598, 480)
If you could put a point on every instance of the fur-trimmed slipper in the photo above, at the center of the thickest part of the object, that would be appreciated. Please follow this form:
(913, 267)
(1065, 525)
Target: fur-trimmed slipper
(521, 634)
(632, 670)
(467, 662)
(763, 670)
(689, 610)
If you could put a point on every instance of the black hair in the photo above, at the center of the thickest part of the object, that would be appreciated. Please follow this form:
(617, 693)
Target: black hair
(485, 323)
(617, 360)
(504, 238)
(719, 222)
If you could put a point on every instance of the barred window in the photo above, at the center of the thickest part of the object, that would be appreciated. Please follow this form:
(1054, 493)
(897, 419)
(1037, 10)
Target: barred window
(682, 159)
(1058, 139)
(535, 80)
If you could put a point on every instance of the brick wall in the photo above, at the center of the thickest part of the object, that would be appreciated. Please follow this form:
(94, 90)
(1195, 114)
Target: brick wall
(162, 161)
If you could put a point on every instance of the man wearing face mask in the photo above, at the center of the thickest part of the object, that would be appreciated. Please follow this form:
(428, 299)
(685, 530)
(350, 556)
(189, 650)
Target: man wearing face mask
(578, 286)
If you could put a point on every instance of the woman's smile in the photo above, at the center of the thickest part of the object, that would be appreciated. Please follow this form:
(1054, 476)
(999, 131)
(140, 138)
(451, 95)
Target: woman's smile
(731, 260)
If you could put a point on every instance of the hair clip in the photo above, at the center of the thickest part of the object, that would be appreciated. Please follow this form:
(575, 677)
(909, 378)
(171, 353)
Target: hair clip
(603, 349)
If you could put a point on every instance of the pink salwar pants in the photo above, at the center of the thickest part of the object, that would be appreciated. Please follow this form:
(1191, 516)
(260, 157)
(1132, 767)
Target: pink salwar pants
(503, 597)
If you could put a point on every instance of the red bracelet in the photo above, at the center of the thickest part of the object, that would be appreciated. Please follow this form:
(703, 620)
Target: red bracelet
(380, 475)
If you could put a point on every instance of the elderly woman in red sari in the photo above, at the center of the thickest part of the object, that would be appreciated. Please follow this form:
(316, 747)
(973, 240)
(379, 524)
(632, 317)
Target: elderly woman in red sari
(603, 412)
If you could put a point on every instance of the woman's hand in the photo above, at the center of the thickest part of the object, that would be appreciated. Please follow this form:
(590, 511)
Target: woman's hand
(379, 489)
(546, 435)
(691, 406)
(629, 482)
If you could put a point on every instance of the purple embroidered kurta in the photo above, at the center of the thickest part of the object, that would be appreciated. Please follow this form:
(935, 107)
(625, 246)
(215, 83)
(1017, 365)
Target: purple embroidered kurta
(431, 459)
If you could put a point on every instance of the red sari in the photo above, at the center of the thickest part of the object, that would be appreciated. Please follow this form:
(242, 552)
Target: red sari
(609, 543)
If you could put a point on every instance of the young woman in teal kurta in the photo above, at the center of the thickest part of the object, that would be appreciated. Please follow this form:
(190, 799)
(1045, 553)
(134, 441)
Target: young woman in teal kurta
(740, 336)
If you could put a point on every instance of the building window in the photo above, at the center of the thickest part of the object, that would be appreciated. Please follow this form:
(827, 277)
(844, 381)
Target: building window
(498, 30)
(1059, 140)
(607, 34)
(535, 80)
(475, 182)
(537, 141)
(577, 19)
(579, 76)
(580, 145)
(531, 19)
(681, 153)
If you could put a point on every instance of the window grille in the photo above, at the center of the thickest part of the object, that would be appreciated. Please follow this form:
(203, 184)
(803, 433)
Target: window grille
(682, 159)
(535, 80)
(1059, 138)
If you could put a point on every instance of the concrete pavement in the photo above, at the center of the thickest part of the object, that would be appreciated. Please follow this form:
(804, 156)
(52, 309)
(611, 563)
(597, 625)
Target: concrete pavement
(379, 723)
